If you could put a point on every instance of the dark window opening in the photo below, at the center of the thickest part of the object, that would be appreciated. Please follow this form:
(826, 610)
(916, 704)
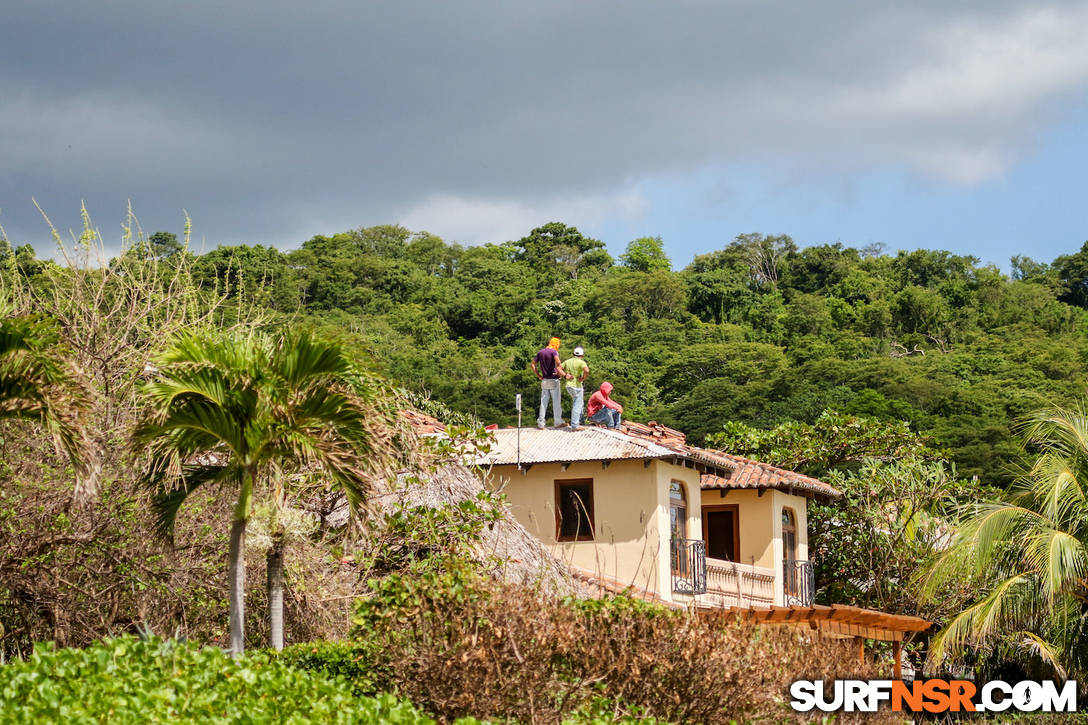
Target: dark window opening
(789, 535)
(721, 533)
(574, 510)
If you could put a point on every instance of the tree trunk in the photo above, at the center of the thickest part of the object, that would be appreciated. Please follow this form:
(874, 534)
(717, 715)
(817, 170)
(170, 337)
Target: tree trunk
(275, 593)
(237, 587)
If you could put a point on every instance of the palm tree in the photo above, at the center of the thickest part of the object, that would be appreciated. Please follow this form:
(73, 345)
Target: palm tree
(39, 383)
(241, 411)
(1029, 553)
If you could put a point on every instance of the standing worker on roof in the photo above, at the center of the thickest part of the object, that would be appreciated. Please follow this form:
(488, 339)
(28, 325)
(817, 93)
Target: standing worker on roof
(575, 370)
(602, 409)
(546, 367)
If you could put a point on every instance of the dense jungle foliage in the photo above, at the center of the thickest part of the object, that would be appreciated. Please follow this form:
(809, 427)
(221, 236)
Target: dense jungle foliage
(904, 380)
(759, 332)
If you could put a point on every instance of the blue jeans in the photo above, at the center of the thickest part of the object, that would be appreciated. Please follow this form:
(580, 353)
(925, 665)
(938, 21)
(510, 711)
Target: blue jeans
(608, 416)
(575, 405)
(550, 388)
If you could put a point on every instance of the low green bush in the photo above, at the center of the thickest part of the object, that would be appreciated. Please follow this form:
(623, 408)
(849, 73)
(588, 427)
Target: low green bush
(347, 660)
(126, 680)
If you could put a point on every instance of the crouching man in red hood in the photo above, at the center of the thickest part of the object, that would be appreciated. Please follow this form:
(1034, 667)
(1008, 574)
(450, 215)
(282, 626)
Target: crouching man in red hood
(602, 409)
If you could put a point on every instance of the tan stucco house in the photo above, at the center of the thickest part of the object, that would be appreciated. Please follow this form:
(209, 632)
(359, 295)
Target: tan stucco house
(638, 507)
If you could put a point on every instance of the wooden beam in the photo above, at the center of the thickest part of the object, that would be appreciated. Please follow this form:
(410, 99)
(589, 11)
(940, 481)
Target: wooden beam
(857, 630)
(779, 614)
(869, 618)
(897, 653)
(761, 614)
(861, 649)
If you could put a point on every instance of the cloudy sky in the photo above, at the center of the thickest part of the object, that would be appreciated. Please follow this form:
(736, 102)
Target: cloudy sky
(925, 124)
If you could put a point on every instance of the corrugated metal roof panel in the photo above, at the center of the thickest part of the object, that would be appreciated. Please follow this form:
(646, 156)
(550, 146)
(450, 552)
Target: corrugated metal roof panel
(632, 441)
(552, 445)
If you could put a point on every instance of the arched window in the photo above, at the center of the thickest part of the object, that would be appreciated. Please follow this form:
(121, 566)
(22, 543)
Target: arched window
(678, 511)
(678, 529)
(789, 535)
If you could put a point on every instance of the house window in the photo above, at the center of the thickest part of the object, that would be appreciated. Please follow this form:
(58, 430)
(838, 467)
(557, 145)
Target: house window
(678, 530)
(721, 532)
(789, 535)
(678, 511)
(574, 510)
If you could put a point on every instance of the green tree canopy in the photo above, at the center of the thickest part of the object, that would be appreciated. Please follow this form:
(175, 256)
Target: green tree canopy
(646, 254)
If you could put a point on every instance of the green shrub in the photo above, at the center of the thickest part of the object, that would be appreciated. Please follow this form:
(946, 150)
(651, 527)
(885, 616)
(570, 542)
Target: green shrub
(126, 680)
(619, 606)
(349, 660)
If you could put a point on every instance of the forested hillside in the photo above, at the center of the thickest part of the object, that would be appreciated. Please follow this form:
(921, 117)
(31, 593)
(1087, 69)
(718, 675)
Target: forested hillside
(760, 331)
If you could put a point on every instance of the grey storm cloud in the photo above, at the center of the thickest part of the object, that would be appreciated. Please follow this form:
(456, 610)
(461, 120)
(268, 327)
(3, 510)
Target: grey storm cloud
(273, 121)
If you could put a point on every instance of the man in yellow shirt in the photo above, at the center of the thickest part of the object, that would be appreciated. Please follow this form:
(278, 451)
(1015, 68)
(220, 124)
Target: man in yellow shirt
(576, 370)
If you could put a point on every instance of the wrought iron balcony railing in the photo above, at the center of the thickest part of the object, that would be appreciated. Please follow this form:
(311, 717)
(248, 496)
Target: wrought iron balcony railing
(688, 566)
(798, 582)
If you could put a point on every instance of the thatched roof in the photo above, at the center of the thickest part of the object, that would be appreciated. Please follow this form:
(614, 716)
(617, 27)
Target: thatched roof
(523, 559)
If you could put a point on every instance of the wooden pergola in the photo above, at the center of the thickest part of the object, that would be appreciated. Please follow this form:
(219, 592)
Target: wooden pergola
(842, 622)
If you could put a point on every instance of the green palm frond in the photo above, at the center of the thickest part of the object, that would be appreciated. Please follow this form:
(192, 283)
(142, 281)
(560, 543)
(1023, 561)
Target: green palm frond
(301, 356)
(1057, 557)
(1033, 548)
(1053, 482)
(1057, 429)
(168, 501)
(193, 426)
(39, 381)
(1049, 653)
(985, 533)
(986, 619)
(265, 404)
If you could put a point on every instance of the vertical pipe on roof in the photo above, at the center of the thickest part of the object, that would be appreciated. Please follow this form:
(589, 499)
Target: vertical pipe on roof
(517, 404)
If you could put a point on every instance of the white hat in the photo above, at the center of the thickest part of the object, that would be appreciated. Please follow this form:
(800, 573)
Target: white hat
(579, 352)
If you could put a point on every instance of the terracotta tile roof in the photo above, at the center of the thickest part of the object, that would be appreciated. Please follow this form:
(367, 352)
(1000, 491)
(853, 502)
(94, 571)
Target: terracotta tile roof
(423, 423)
(599, 586)
(754, 474)
(655, 431)
(745, 473)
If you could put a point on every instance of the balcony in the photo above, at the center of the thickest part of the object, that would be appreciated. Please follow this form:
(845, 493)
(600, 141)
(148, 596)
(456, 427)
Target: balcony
(688, 561)
(798, 583)
(730, 584)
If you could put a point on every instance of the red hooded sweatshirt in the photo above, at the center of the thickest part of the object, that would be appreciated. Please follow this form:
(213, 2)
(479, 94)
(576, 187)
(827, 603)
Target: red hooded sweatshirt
(600, 400)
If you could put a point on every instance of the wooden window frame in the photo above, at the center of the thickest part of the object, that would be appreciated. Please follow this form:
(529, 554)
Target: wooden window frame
(590, 510)
(793, 524)
(735, 508)
(681, 504)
